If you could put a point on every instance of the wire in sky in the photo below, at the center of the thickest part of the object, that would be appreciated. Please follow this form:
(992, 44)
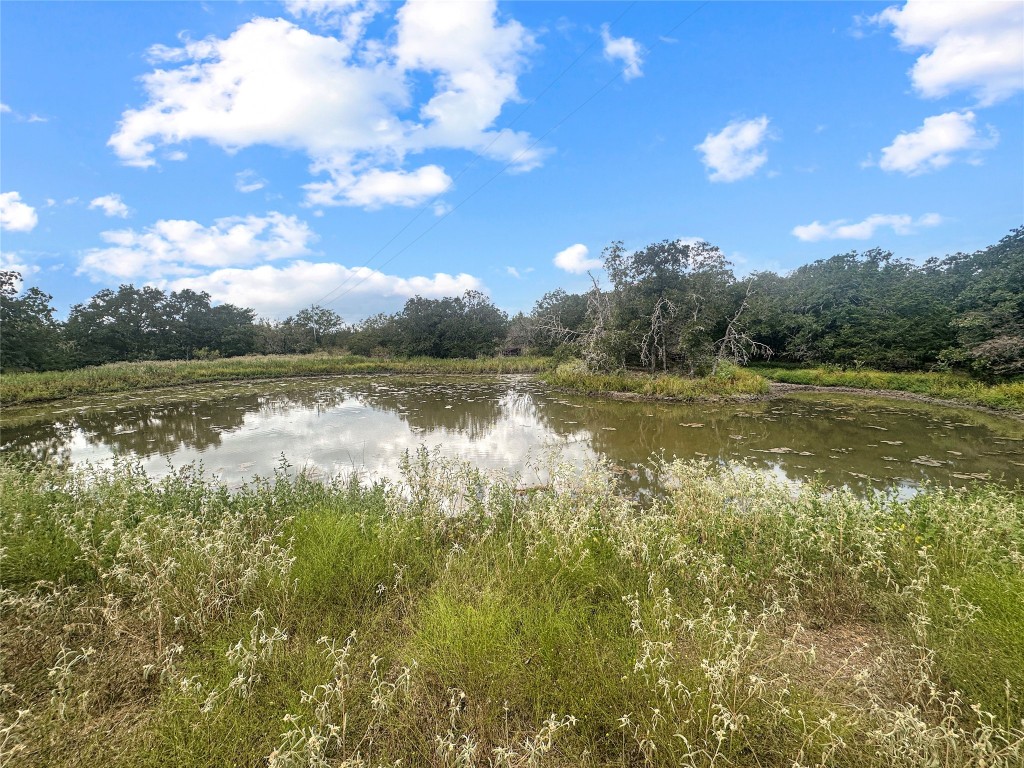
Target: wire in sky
(476, 156)
(556, 126)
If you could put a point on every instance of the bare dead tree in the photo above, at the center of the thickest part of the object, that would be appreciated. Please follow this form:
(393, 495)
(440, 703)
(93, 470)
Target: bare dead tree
(737, 345)
(589, 342)
(592, 344)
(654, 344)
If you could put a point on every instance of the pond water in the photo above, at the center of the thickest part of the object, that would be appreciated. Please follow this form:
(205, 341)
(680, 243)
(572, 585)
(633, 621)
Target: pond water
(340, 424)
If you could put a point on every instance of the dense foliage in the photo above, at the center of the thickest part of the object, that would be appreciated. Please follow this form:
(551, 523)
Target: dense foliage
(671, 306)
(678, 306)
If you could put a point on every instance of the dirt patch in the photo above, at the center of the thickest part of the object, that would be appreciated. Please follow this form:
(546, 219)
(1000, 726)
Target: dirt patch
(855, 662)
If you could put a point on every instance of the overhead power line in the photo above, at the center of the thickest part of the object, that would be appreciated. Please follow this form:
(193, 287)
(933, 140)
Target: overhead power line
(661, 41)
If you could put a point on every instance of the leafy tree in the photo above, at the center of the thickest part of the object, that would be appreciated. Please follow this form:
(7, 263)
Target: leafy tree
(854, 309)
(233, 328)
(460, 326)
(989, 320)
(672, 301)
(320, 321)
(557, 317)
(29, 335)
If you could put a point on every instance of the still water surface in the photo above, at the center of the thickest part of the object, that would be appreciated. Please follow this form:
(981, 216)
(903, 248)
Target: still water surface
(339, 424)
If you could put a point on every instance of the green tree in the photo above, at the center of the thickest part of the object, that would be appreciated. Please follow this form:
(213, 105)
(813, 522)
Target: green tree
(321, 322)
(671, 302)
(989, 307)
(29, 335)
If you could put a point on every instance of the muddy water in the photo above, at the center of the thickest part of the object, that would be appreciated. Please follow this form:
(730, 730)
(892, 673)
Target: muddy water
(340, 424)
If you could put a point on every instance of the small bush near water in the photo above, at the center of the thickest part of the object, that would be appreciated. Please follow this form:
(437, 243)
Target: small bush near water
(458, 620)
(730, 381)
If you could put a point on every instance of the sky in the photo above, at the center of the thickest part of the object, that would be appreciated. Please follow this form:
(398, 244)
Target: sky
(353, 154)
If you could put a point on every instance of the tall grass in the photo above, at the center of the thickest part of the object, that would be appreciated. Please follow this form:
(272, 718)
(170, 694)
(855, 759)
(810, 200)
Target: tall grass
(18, 388)
(729, 382)
(454, 619)
(944, 386)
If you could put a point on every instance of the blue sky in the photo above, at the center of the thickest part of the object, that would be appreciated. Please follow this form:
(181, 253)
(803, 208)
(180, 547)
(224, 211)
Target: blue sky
(356, 153)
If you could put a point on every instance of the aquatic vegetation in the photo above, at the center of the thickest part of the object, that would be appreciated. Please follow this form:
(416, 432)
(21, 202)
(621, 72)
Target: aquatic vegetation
(457, 619)
(17, 388)
(957, 387)
(730, 381)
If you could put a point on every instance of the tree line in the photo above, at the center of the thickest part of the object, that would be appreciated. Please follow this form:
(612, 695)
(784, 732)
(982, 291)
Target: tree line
(670, 306)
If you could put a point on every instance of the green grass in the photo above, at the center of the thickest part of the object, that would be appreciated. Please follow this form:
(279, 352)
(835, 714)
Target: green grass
(944, 386)
(454, 619)
(729, 382)
(19, 388)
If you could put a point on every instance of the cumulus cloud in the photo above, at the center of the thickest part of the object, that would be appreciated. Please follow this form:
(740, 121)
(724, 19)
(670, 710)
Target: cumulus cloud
(249, 181)
(349, 17)
(111, 205)
(376, 188)
(351, 103)
(736, 151)
(16, 216)
(624, 49)
(574, 259)
(976, 47)
(177, 248)
(842, 229)
(939, 140)
(277, 291)
(15, 262)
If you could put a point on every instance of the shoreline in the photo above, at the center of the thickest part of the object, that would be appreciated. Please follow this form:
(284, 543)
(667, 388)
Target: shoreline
(126, 378)
(782, 387)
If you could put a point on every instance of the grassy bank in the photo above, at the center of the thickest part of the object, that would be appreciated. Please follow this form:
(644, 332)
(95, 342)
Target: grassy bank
(18, 388)
(456, 621)
(730, 382)
(944, 386)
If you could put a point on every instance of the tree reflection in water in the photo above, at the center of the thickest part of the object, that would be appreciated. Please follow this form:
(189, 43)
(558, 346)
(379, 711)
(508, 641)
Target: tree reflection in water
(367, 422)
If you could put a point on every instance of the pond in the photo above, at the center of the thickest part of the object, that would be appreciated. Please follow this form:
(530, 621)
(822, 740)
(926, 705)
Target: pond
(335, 425)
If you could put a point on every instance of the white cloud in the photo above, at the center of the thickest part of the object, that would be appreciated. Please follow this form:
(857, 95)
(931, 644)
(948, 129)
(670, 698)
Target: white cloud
(277, 291)
(624, 49)
(736, 151)
(376, 188)
(32, 118)
(842, 229)
(349, 17)
(16, 216)
(15, 262)
(349, 102)
(970, 46)
(111, 205)
(574, 259)
(936, 144)
(177, 248)
(249, 181)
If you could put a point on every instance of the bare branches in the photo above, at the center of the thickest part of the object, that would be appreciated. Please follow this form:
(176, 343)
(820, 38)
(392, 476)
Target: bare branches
(737, 345)
(654, 344)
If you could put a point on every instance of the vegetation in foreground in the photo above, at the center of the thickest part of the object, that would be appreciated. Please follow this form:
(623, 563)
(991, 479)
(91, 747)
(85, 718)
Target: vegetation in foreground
(18, 388)
(729, 381)
(456, 620)
(943, 385)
